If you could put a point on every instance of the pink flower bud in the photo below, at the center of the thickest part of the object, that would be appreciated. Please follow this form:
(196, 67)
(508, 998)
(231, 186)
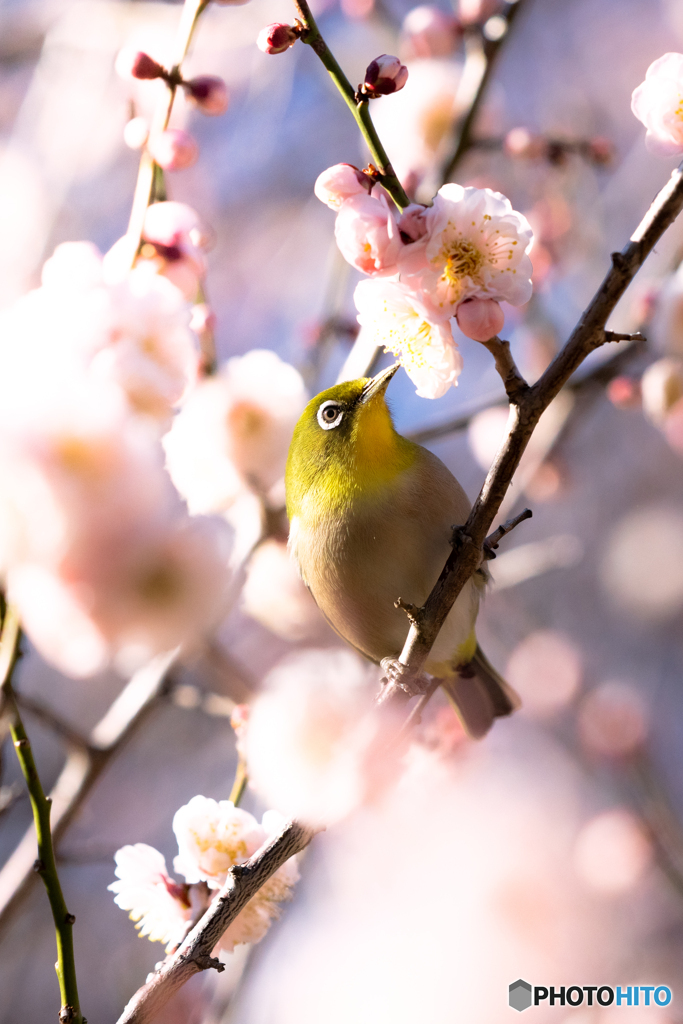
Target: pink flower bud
(480, 319)
(209, 93)
(412, 223)
(132, 63)
(136, 133)
(429, 32)
(337, 184)
(601, 150)
(276, 38)
(384, 75)
(174, 149)
(624, 392)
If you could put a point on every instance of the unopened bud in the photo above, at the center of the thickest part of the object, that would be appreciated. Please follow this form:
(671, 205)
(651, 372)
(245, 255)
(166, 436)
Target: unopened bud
(136, 133)
(209, 93)
(174, 149)
(276, 38)
(480, 319)
(429, 32)
(624, 392)
(337, 184)
(383, 76)
(136, 64)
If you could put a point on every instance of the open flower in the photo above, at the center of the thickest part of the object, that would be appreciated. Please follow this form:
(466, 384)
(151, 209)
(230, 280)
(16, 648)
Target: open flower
(367, 234)
(159, 905)
(658, 103)
(400, 322)
(475, 245)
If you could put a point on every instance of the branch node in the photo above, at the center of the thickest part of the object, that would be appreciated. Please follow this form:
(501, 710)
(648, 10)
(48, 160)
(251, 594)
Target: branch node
(67, 1014)
(21, 744)
(204, 961)
(494, 539)
(38, 865)
(414, 612)
(70, 919)
(618, 336)
(619, 261)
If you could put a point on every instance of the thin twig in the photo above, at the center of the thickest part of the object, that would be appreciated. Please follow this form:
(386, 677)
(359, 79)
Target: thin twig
(45, 865)
(588, 335)
(312, 36)
(494, 539)
(515, 385)
(196, 952)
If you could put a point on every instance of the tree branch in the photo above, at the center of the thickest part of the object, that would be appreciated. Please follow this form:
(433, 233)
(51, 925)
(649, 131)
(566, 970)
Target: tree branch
(588, 335)
(45, 865)
(196, 952)
(515, 385)
(312, 36)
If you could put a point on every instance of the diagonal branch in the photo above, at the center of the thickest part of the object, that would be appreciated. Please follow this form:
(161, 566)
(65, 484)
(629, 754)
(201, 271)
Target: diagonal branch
(588, 335)
(196, 952)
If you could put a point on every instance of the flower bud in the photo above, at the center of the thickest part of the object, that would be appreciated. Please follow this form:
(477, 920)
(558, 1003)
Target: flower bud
(383, 76)
(209, 93)
(412, 224)
(624, 392)
(337, 184)
(276, 38)
(132, 63)
(136, 133)
(429, 32)
(601, 151)
(480, 319)
(174, 149)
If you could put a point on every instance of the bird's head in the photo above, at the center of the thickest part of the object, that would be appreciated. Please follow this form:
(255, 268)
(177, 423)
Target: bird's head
(344, 445)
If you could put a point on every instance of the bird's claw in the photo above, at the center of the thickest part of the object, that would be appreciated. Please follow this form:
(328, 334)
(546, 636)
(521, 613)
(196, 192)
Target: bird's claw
(399, 675)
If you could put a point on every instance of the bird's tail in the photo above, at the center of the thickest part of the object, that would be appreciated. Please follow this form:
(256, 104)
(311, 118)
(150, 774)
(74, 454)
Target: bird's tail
(479, 695)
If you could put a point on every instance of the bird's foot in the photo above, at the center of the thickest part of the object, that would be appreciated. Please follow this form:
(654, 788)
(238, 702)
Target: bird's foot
(399, 675)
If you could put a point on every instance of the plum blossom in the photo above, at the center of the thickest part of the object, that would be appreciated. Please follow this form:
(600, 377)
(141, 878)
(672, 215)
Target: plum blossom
(400, 322)
(234, 429)
(212, 837)
(159, 905)
(275, 595)
(367, 234)
(666, 331)
(658, 103)
(428, 31)
(341, 182)
(314, 744)
(475, 245)
(662, 388)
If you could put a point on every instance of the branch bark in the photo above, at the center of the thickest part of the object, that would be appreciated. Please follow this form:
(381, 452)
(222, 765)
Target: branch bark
(196, 952)
(588, 335)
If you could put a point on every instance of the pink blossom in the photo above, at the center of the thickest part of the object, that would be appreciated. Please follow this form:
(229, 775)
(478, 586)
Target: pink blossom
(383, 76)
(367, 234)
(276, 38)
(424, 345)
(174, 149)
(339, 183)
(412, 224)
(429, 31)
(658, 103)
(480, 319)
(475, 246)
(209, 93)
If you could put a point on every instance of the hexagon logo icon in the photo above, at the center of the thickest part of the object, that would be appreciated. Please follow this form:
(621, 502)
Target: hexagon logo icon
(520, 995)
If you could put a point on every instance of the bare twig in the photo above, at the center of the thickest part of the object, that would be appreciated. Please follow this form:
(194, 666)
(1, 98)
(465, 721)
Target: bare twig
(515, 385)
(588, 335)
(45, 865)
(494, 539)
(196, 952)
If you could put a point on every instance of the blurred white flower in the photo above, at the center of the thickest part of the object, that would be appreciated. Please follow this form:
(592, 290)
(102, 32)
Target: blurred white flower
(662, 388)
(658, 103)
(399, 321)
(316, 746)
(160, 906)
(612, 852)
(212, 836)
(234, 431)
(545, 668)
(665, 333)
(275, 595)
(429, 31)
(613, 719)
(475, 245)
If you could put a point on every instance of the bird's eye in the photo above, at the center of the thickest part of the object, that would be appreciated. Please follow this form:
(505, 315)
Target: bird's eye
(330, 415)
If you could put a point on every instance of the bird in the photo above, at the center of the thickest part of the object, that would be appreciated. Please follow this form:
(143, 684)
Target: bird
(371, 520)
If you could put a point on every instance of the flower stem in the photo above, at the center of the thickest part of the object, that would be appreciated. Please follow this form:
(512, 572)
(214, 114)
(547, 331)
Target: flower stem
(10, 652)
(240, 783)
(147, 173)
(312, 37)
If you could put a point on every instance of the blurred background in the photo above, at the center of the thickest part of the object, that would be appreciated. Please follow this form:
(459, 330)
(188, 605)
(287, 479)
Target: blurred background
(553, 849)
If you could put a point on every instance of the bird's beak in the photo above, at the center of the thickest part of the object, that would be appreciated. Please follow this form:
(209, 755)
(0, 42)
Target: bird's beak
(378, 385)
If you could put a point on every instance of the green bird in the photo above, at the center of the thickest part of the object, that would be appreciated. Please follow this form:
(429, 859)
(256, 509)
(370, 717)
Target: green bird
(371, 520)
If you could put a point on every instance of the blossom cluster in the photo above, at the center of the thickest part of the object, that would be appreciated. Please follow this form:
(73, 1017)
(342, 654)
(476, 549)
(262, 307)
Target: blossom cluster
(458, 258)
(212, 837)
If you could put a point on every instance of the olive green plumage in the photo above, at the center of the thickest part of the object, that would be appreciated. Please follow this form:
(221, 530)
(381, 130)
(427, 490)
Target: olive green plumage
(371, 518)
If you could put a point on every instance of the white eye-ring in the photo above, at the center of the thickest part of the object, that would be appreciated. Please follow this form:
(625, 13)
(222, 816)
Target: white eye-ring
(330, 415)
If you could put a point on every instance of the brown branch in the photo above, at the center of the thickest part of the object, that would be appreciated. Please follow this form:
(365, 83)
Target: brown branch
(515, 386)
(588, 335)
(196, 952)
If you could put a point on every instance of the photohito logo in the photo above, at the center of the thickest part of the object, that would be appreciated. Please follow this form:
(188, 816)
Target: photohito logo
(522, 995)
